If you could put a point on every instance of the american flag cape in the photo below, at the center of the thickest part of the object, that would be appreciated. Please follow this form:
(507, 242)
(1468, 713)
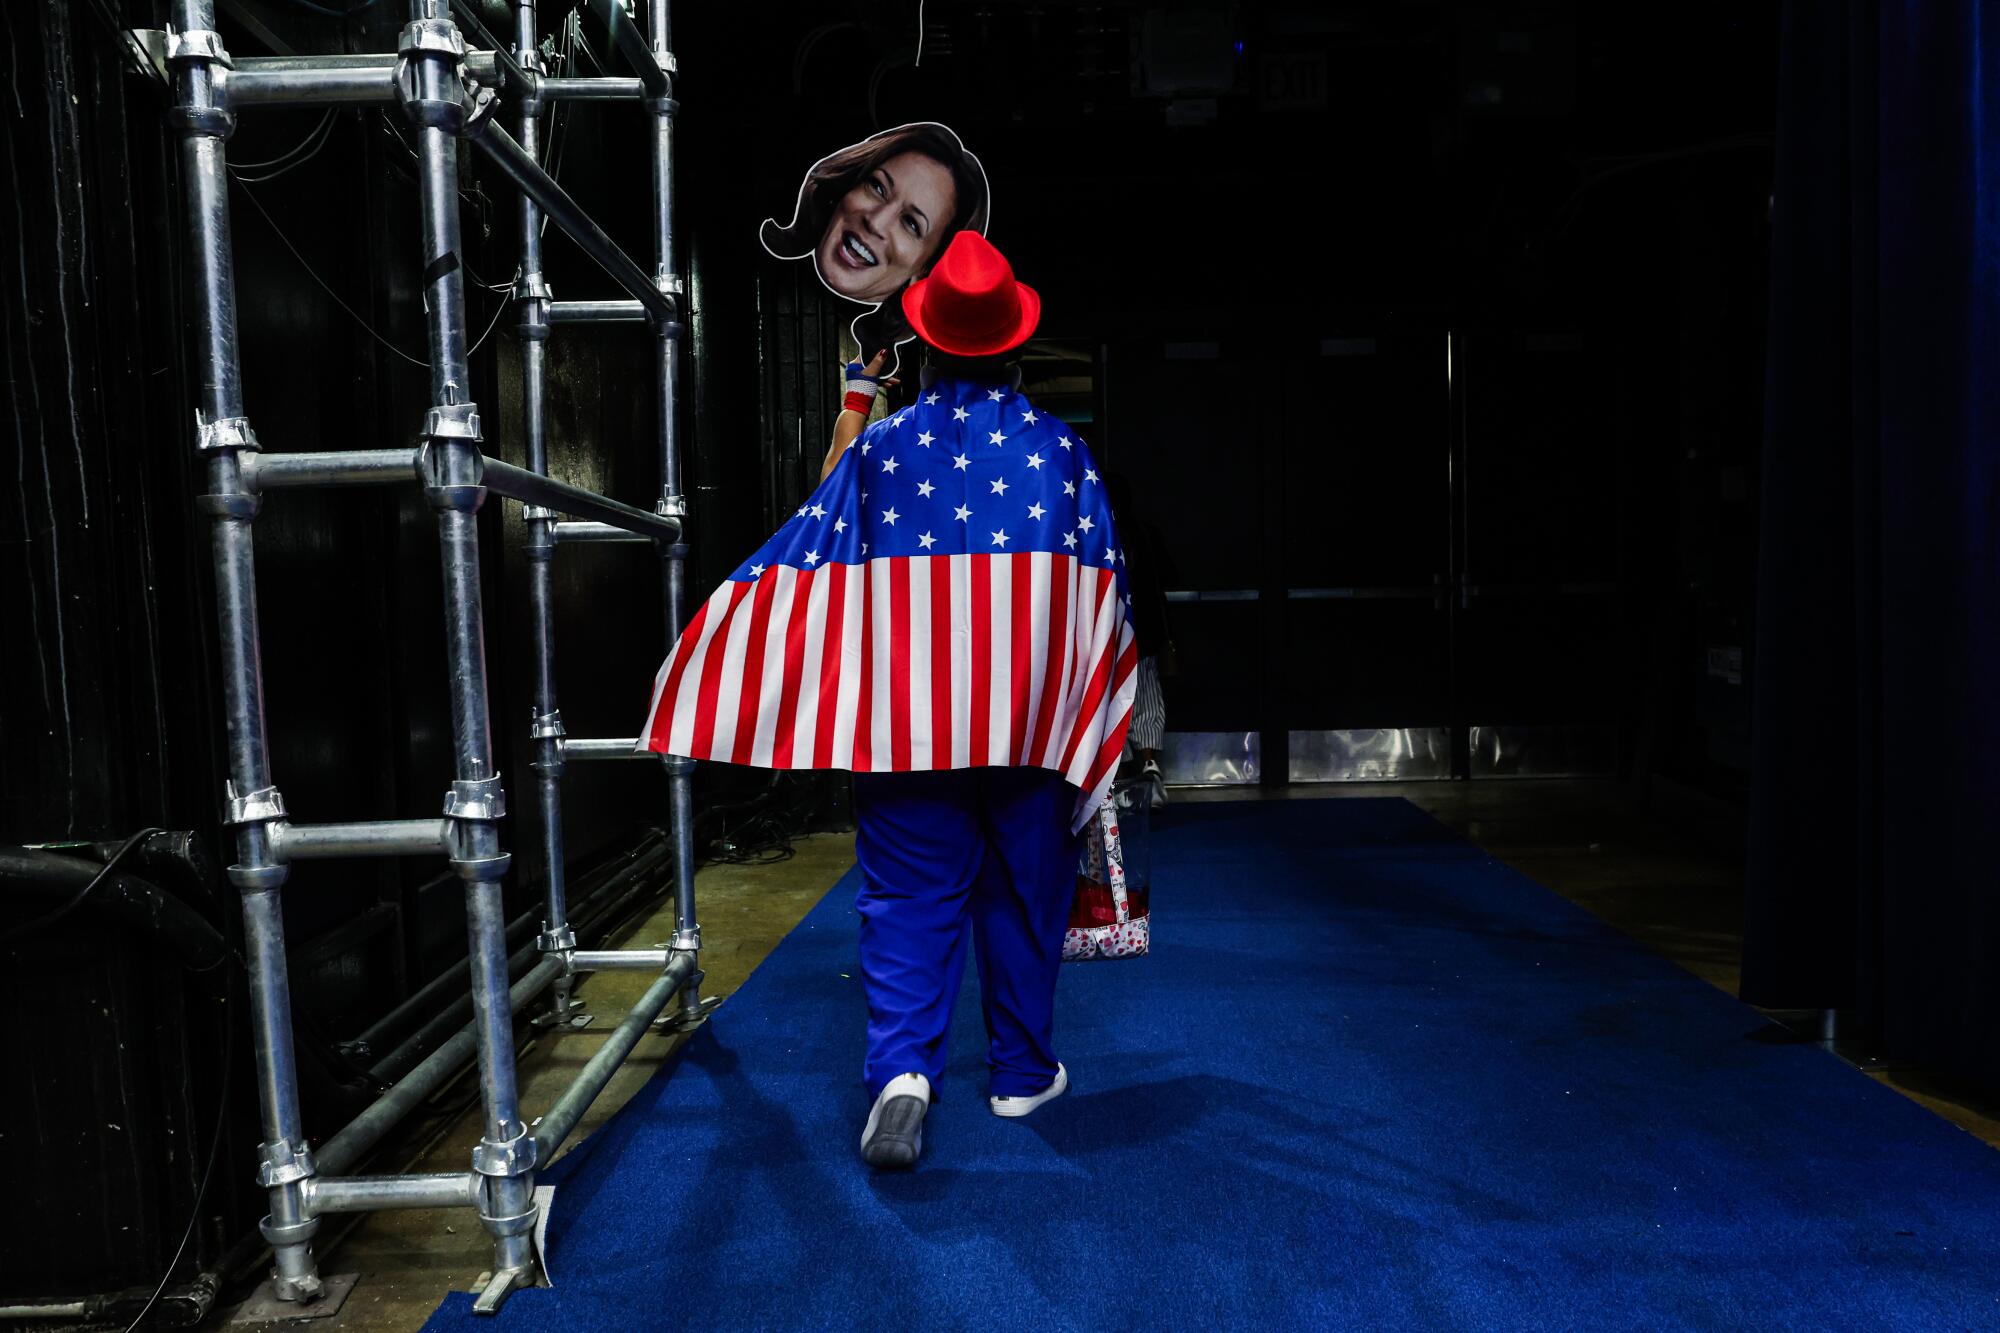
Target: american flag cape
(952, 596)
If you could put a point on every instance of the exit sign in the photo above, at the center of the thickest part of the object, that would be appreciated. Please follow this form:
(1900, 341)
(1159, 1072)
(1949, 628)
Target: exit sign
(1292, 82)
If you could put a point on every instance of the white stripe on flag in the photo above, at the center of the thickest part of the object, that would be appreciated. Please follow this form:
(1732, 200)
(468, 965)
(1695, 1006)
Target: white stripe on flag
(920, 663)
(1000, 698)
(729, 698)
(682, 736)
(881, 669)
(1038, 653)
(771, 690)
(851, 648)
(961, 661)
(805, 728)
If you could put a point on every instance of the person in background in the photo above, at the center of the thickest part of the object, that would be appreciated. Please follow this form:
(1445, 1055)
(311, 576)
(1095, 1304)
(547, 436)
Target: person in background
(1146, 571)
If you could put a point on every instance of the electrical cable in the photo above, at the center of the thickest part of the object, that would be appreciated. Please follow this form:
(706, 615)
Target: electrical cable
(325, 134)
(53, 915)
(326, 118)
(207, 1172)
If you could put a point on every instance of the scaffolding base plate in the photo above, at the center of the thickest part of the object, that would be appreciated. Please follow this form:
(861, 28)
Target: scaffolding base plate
(680, 1020)
(264, 1305)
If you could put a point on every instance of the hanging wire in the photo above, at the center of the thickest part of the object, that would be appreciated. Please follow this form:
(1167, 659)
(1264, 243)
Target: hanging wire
(325, 123)
(323, 133)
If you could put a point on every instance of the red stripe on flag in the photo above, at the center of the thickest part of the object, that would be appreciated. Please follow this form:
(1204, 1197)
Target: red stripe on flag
(941, 719)
(702, 745)
(663, 708)
(1055, 674)
(864, 723)
(795, 656)
(1114, 735)
(899, 664)
(1022, 641)
(750, 699)
(980, 704)
(1100, 680)
(829, 666)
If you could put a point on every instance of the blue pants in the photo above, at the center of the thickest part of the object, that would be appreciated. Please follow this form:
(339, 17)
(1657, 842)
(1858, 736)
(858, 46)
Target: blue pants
(978, 856)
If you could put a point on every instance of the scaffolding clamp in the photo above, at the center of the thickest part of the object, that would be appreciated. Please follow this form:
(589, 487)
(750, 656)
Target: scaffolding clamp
(546, 725)
(197, 45)
(512, 1157)
(431, 39)
(687, 940)
(480, 799)
(556, 941)
(451, 423)
(283, 1163)
(258, 807)
(671, 506)
(224, 433)
(532, 295)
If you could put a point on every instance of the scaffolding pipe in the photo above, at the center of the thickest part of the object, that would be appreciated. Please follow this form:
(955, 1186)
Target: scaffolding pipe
(596, 312)
(504, 1156)
(520, 167)
(383, 837)
(620, 747)
(619, 960)
(593, 90)
(592, 533)
(363, 1132)
(545, 492)
(351, 467)
(223, 434)
(630, 43)
(365, 1194)
(555, 1127)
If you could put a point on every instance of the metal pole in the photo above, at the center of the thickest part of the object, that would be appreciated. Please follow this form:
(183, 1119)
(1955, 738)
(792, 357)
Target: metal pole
(196, 54)
(476, 803)
(365, 1194)
(561, 1119)
(380, 837)
(673, 496)
(532, 298)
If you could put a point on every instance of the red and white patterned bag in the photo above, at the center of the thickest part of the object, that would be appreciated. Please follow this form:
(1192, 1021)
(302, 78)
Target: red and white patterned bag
(1109, 917)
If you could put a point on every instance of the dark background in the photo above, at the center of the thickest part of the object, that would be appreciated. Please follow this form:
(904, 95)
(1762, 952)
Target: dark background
(1430, 335)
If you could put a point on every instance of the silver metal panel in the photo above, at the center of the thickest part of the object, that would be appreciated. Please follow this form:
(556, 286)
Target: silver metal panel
(1556, 750)
(1212, 758)
(1371, 754)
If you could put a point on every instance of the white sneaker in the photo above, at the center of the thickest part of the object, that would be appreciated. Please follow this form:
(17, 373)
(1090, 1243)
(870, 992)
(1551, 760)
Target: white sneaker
(895, 1132)
(1016, 1106)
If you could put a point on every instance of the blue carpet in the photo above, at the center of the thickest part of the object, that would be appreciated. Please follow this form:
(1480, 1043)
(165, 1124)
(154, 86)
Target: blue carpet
(1369, 1077)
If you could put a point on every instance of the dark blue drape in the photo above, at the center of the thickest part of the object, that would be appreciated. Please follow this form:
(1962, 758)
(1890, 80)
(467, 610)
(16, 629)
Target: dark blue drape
(1875, 812)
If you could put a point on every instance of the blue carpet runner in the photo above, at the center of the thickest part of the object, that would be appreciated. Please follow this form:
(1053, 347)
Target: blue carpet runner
(1369, 1077)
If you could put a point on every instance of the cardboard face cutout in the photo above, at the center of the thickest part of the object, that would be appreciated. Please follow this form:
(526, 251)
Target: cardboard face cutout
(874, 216)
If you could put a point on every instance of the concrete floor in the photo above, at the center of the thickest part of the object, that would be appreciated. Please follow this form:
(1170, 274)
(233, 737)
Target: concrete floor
(1671, 878)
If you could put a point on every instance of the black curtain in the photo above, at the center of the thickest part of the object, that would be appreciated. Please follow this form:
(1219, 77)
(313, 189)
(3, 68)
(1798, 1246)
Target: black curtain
(1876, 780)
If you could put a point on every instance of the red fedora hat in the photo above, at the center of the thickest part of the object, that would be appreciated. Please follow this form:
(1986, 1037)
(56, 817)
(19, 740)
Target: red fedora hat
(970, 305)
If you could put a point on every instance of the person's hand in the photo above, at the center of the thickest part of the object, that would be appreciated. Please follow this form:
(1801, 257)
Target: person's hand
(862, 383)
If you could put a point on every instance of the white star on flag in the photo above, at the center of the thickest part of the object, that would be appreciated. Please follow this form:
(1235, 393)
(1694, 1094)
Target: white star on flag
(865, 447)
(1028, 418)
(817, 512)
(1069, 539)
(959, 414)
(1108, 558)
(1036, 511)
(924, 488)
(1083, 521)
(889, 465)
(1064, 442)
(890, 516)
(1089, 475)
(802, 511)
(1000, 537)
(962, 514)
(930, 400)
(993, 394)
(1035, 461)
(897, 420)
(755, 570)
(812, 557)
(840, 525)
(999, 485)
(925, 439)
(995, 437)
(961, 462)
(926, 540)
(1069, 488)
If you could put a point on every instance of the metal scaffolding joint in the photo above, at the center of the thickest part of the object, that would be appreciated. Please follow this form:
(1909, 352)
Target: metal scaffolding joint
(197, 46)
(481, 799)
(288, 1233)
(556, 941)
(506, 1158)
(257, 807)
(282, 1163)
(239, 504)
(228, 433)
(547, 725)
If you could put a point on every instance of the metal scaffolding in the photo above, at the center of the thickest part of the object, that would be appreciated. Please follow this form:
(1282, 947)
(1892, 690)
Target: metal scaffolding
(450, 95)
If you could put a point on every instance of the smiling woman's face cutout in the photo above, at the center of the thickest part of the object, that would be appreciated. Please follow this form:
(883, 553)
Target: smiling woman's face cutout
(886, 228)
